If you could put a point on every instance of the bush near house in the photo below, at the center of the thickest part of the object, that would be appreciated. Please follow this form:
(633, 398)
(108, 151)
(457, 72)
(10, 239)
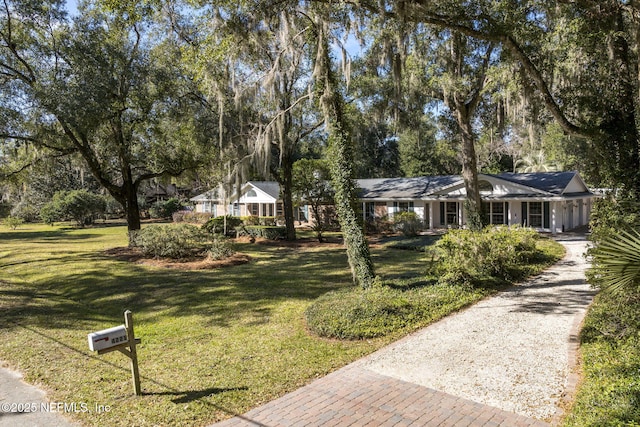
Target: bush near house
(217, 225)
(174, 241)
(494, 253)
(407, 223)
(191, 217)
(463, 276)
(165, 208)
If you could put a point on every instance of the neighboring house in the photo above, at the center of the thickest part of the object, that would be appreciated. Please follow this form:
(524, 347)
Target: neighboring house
(547, 201)
(256, 198)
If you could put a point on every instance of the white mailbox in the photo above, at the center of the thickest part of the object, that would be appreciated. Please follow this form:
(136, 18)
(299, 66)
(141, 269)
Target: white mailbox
(107, 338)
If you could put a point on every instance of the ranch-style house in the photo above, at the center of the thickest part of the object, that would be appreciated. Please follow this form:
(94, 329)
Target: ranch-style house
(546, 201)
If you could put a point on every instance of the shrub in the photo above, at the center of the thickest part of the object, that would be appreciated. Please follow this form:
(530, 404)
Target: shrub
(13, 222)
(172, 241)
(165, 208)
(216, 225)
(219, 249)
(79, 205)
(191, 217)
(266, 232)
(471, 257)
(407, 223)
(26, 211)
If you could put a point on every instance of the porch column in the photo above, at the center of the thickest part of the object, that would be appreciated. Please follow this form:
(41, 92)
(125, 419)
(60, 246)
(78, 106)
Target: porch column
(430, 215)
(554, 215)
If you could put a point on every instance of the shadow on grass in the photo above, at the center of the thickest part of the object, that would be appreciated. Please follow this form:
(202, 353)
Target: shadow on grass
(89, 288)
(193, 395)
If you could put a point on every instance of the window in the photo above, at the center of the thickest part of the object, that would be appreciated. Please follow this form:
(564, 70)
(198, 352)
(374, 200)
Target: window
(496, 212)
(252, 193)
(369, 211)
(485, 187)
(452, 213)
(254, 209)
(448, 213)
(402, 206)
(535, 214)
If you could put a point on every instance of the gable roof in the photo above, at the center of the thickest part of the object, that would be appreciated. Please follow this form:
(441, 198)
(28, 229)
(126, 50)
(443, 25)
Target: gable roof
(272, 188)
(555, 183)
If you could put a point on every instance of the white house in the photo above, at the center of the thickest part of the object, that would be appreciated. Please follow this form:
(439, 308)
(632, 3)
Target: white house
(255, 198)
(547, 201)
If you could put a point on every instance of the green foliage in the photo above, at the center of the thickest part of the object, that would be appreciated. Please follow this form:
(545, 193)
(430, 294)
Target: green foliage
(219, 249)
(494, 253)
(12, 222)
(270, 221)
(611, 215)
(78, 205)
(407, 223)
(191, 217)
(165, 208)
(263, 231)
(217, 224)
(311, 178)
(174, 241)
(616, 263)
(26, 211)
(357, 313)
(610, 348)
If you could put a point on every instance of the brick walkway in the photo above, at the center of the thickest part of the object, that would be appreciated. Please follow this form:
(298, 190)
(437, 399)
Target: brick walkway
(355, 396)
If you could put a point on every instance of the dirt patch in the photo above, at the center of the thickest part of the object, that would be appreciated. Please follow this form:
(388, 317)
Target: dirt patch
(201, 263)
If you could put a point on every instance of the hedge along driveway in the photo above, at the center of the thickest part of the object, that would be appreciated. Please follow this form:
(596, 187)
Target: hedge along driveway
(214, 343)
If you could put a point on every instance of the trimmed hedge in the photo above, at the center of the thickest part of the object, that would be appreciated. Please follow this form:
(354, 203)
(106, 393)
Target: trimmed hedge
(266, 232)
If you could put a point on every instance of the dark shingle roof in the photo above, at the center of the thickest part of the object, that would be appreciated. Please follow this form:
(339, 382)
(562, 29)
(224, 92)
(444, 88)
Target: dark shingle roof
(550, 182)
(405, 188)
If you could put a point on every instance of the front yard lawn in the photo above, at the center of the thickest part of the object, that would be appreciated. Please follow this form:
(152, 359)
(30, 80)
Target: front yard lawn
(215, 343)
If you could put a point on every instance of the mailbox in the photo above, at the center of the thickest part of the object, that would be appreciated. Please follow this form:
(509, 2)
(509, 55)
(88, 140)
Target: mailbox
(107, 338)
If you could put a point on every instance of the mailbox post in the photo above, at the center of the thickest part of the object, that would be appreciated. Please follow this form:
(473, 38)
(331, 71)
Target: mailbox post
(122, 339)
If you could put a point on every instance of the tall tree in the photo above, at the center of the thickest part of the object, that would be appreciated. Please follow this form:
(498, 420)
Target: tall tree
(95, 86)
(579, 59)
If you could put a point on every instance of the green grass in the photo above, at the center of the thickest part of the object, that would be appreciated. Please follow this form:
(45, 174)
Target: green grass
(214, 343)
(609, 394)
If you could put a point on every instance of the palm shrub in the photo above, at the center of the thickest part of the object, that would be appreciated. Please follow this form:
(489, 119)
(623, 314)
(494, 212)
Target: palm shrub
(616, 263)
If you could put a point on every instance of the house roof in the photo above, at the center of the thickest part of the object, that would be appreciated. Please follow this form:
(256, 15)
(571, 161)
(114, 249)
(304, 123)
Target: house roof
(535, 184)
(272, 188)
(405, 188)
(550, 182)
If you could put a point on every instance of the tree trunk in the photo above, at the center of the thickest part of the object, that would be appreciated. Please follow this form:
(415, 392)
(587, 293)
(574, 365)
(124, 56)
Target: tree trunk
(340, 159)
(473, 204)
(132, 210)
(287, 199)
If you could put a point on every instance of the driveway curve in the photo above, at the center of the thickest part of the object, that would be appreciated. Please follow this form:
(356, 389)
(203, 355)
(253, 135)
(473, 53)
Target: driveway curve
(507, 360)
(514, 351)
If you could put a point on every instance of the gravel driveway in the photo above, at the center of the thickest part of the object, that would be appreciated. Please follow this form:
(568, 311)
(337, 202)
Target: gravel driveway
(514, 351)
